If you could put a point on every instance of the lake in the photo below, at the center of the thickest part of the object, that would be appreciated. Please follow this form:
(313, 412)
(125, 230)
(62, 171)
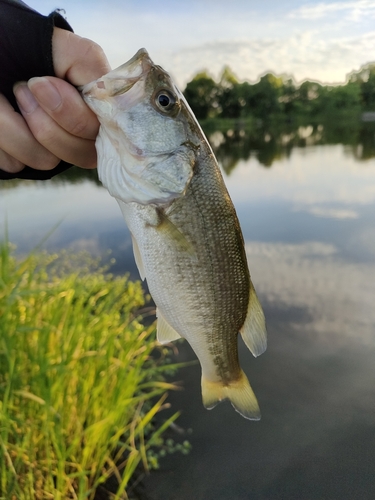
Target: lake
(305, 197)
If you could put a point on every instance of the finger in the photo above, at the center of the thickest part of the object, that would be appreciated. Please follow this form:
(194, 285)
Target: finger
(77, 59)
(10, 164)
(48, 133)
(64, 104)
(17, 141)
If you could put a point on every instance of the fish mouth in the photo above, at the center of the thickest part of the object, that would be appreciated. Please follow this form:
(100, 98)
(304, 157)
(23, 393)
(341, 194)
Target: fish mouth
(121, 79)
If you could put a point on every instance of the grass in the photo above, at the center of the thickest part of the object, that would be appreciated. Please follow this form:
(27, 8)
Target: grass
(78, 386)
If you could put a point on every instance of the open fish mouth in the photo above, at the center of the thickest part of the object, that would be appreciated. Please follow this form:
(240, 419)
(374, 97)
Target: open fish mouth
(121, 79)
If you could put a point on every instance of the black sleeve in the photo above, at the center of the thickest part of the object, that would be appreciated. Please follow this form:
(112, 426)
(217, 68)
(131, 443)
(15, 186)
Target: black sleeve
(25, 52)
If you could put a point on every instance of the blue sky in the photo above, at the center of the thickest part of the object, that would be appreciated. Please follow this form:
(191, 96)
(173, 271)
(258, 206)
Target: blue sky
(321, 40)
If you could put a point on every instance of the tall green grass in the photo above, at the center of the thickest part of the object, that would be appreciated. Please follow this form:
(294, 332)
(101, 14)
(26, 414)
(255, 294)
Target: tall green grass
(77, 382)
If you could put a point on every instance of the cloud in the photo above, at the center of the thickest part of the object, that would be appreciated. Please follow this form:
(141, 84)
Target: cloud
(355, 11)
(304, 55)
(317, 41)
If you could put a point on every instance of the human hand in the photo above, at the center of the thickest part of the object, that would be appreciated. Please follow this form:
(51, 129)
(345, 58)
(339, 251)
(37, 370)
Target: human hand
(55, 123)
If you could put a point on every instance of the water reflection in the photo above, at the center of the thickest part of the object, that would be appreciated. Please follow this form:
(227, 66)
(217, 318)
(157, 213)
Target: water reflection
(315, 386)
(310, 238)
(308, 224)
(271, 142)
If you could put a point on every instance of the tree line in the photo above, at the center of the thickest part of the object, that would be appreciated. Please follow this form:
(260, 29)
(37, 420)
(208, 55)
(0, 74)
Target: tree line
(278, 95)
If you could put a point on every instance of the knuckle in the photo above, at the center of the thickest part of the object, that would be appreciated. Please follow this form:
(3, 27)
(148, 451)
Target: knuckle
(87, 61)
(95, 60)
(94, 54)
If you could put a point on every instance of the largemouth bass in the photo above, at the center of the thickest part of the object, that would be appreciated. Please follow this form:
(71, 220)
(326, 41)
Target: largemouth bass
(155, 160)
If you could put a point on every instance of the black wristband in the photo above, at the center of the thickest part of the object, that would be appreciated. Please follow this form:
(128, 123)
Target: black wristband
(25, 52)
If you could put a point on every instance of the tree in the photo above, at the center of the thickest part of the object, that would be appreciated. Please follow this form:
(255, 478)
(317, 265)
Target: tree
(368, 90)
(228, 96)
(234, 101)
(288, 95)
(264, 99)
(308, 97)
(340, 97)
(202, 95)
(227, 79)
(276, 95)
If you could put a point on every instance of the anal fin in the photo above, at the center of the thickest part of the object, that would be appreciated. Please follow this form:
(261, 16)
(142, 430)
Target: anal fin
(254, 331)
(164, 332)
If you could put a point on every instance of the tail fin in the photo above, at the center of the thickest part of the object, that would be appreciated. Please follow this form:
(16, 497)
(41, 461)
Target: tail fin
(239, 393)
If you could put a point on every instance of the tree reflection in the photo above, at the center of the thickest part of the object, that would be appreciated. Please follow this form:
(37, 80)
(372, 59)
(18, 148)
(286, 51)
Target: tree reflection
(366, 142)
(236, 141)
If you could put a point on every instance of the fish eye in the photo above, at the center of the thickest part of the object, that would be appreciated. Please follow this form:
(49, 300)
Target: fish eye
(165, 100)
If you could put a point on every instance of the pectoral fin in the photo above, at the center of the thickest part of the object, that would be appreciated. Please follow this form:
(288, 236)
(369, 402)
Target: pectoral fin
(138, 258)
(239, 393)
(172, 232)
(164, 332)
(254, 331)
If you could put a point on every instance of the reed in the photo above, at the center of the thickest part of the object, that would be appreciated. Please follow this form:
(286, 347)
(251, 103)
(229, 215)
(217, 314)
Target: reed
(78, 385)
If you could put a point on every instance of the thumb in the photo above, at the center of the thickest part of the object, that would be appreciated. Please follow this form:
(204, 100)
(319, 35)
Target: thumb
(76, 59)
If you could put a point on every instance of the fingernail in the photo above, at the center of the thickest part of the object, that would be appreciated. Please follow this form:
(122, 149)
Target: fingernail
(46, 93)
(25, 99)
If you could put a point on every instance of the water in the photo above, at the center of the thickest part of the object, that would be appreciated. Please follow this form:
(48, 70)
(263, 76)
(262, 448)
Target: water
(307, 210)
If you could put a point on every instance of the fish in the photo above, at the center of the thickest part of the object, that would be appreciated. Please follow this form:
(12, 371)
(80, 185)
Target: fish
(155, 160)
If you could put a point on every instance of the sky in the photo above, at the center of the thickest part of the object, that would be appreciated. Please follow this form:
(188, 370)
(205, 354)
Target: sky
(316, 40)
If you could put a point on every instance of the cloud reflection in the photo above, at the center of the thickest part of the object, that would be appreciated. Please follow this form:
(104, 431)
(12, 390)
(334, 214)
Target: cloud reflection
(336, 294)
(332, 213)
(323, 180)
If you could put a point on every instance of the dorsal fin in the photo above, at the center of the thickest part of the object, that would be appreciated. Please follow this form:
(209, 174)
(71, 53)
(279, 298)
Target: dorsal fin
(164, 332)
(254, 331)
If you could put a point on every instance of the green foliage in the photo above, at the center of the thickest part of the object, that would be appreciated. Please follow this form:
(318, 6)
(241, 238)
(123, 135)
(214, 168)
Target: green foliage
(338, 98)
(368, 90)
(201, 94)
(78, 384)
(228, 79)
(231, 100)
(306, 98)
(273, 96)
(266, 98)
